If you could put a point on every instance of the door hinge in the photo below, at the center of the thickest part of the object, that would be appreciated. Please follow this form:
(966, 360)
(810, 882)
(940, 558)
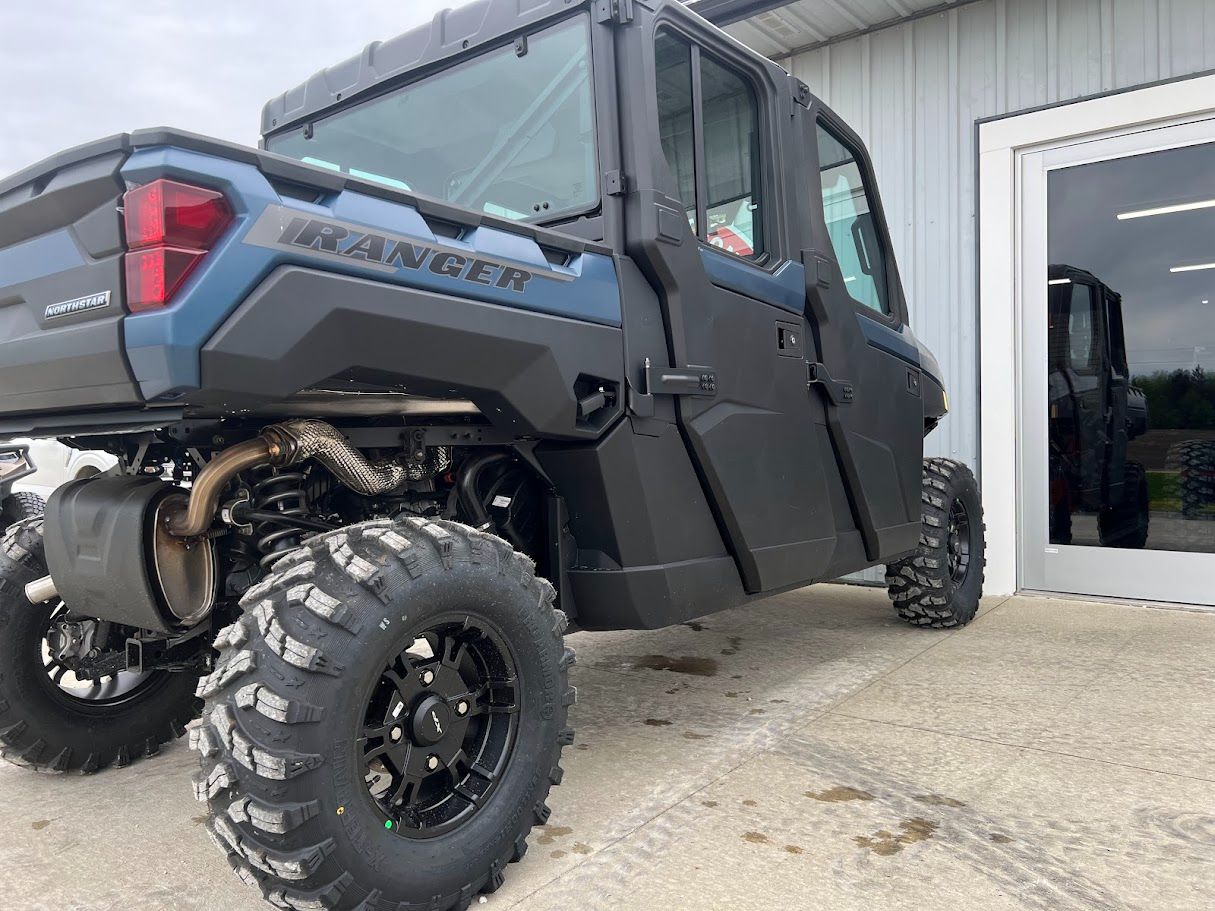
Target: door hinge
(615, 183)
(801, 93)
(617, 12)
(839, 392)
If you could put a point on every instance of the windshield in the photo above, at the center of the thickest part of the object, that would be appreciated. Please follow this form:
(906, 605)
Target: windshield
(510, 133)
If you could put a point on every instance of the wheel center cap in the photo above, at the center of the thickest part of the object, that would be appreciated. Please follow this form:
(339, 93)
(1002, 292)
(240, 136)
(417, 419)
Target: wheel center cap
(431, 721)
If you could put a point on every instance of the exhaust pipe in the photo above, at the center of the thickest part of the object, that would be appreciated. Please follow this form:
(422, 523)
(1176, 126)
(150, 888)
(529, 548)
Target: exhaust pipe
(284, 445)
(41, 590)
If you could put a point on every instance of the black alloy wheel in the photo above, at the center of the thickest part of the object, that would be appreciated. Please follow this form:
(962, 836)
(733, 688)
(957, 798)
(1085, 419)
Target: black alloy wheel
(440, 726)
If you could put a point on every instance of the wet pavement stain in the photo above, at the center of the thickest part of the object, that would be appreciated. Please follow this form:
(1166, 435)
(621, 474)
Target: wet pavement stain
(885, 844)
(657, 722)
(708, 803)
(1000, 839)
(557, 855)
(936, 800)
(40, 824)
(756, 838)
(696, 626)
(199, 820)
(794, 849)
(731, 694)
(735, 645)
(839, 794)
(580, 848)
(583, 747)
(750, 803)
(686, 664)
(692, 735)
(552, 833)
(758, 712)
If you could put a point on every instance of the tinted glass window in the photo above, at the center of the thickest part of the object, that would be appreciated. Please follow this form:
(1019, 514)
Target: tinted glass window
(1132, 351)
(674, 68)
(508, 135)
(726, 109)
(731, 118)
(847, 207)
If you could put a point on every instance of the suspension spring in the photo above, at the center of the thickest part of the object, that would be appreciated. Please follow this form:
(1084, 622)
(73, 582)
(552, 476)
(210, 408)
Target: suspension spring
(281, 492)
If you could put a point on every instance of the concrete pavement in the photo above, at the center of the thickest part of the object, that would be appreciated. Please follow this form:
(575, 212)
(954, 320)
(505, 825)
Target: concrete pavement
(806, 752)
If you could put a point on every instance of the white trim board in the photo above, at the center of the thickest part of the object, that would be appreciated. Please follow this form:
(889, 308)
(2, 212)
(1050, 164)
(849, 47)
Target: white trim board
(1000, 144)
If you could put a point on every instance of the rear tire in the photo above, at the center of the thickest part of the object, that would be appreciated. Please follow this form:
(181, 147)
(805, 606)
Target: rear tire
(21, 505)
(44, 728)
(940, 585)
(322, 659)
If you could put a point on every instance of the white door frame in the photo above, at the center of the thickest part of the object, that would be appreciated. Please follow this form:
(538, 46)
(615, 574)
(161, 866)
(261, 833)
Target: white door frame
(1001, 144)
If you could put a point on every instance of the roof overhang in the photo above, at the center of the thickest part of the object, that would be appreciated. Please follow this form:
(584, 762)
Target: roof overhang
(727, 12)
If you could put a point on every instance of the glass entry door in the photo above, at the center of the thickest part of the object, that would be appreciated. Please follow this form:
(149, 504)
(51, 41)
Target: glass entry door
(1117, 297)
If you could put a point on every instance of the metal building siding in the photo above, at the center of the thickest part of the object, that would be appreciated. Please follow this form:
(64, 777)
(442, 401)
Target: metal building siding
(914, 92)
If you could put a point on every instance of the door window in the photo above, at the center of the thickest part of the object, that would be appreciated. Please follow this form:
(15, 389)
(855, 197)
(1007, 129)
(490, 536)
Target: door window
(675, 122)
(848, 210)
(718, 180)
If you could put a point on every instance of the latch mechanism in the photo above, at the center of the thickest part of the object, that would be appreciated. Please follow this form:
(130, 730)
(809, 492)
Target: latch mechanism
(683, 381)
(692, 381)
(839, 392)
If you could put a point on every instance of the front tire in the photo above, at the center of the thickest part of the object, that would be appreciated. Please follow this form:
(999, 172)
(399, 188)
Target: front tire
(52, 722)
(386, 719)
(940, 585)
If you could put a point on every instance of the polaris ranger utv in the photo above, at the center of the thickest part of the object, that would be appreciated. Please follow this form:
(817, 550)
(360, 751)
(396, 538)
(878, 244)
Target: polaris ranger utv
(549, 310)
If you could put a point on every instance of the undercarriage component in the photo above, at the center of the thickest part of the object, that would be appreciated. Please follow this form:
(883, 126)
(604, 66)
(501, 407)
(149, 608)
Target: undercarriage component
(108, 548)
(293, 442)
(284, 445)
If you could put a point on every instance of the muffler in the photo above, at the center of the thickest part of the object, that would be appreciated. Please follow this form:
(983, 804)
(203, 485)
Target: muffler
(133, 550)
(110, 552)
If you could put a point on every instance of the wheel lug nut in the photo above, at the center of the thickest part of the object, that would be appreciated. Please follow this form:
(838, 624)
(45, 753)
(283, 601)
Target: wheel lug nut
(396, 734)
(461, 707)
(428, 677)
(432, 762)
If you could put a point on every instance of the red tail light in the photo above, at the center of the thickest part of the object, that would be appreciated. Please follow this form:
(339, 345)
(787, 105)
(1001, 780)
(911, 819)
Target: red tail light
(170, 227)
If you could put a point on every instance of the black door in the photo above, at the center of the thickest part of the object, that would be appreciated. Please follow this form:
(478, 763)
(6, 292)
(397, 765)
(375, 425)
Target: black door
(734, 302)
(868, 370)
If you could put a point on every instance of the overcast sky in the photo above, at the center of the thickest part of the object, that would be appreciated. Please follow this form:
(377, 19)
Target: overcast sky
(75, 71)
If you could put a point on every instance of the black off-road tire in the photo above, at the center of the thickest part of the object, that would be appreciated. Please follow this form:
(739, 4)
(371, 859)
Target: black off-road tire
(284, 785)
(24, 504)
(1194, 461)
(924, 587)
(42, 730)
(1127, 525)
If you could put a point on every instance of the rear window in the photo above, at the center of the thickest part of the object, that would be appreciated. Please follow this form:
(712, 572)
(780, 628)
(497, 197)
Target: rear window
(506, 133)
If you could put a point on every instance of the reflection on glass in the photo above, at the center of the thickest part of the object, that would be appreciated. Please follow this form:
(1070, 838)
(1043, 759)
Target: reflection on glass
(1131, 349)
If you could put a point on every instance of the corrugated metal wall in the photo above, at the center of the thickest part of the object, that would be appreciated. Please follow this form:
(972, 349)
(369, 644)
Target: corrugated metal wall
(914, 92)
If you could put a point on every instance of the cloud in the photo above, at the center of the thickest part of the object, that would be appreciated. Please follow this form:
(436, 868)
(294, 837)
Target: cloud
(79, 71)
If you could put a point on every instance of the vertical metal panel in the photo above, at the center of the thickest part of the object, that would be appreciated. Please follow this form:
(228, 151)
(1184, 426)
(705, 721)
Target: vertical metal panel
(914, 92)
